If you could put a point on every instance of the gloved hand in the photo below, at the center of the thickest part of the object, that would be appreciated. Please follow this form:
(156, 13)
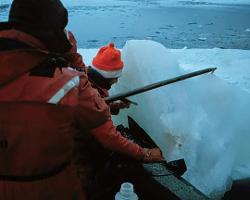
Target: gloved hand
(152, 155)
(116, 106)
(124, 103)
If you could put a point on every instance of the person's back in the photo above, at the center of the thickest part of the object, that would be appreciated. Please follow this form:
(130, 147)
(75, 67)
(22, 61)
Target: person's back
(44, 104)
(37, 113)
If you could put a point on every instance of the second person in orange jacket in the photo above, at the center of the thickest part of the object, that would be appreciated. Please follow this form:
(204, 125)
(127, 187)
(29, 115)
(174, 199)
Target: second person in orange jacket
(105, 71)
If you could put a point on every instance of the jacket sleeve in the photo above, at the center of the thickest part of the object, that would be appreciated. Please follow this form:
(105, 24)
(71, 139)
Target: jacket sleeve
(91, 110)
(110, 138)
(93, 114)
(114, 108)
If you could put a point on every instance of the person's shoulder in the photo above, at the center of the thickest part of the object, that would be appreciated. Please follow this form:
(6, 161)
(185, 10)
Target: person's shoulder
(70, 35)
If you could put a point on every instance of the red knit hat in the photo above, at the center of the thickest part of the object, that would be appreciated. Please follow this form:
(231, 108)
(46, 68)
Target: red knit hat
(108, 61)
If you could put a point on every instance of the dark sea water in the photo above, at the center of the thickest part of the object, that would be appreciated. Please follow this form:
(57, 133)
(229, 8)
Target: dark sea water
(191, 25)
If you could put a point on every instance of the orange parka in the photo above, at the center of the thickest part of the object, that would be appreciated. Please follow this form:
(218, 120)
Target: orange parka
(39, 117)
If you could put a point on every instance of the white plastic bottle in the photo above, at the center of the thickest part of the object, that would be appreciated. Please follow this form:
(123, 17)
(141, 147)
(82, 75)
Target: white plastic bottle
(126, 192)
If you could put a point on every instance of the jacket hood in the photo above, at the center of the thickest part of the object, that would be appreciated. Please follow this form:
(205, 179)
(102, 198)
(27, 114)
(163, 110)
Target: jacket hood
(17, 62)
(19, 53)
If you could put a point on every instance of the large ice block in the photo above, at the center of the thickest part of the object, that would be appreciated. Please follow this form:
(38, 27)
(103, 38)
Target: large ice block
(204, 119)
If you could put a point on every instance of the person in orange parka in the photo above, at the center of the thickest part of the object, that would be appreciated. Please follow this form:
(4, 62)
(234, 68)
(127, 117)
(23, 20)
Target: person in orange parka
(106, 68)
(44, 104)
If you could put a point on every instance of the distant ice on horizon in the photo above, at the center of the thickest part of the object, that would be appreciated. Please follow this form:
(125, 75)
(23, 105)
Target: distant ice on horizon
(101, 2)
(163, 2)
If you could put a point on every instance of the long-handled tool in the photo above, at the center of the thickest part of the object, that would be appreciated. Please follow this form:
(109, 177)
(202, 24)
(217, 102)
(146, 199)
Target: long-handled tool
(158, 84)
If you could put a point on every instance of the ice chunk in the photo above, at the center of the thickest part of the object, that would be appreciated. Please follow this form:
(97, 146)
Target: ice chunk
(203, 119)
